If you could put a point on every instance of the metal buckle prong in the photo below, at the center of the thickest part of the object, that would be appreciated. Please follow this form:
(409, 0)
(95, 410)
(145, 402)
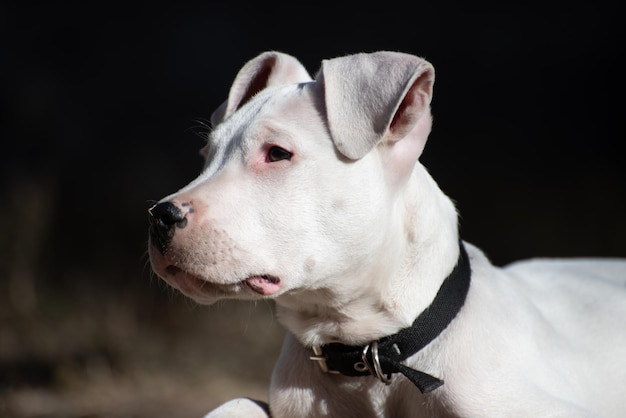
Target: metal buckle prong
(320, 358)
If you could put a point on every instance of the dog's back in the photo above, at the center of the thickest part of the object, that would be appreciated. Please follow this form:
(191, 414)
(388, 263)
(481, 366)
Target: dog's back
(582, 303)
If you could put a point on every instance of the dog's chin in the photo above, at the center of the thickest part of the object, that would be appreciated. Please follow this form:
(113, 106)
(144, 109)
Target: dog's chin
(207, 292)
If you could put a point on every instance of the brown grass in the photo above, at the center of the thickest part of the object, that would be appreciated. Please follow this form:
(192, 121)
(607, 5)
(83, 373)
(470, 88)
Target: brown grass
(111, 357)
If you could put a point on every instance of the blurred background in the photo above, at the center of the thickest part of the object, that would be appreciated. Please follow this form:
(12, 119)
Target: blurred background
(102, 110)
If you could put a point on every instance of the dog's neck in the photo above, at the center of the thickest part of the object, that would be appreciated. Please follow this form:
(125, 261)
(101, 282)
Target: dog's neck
(388, 295)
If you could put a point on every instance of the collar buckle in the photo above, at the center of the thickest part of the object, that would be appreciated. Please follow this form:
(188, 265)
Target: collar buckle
(373, 367)
(320, 358)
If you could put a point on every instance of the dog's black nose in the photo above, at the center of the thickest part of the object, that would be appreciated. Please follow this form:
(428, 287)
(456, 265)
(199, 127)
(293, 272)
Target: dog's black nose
(166, 214)
(164, 218)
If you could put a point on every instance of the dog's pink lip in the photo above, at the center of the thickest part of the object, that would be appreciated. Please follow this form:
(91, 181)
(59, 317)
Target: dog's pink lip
(265, 285)
(187, 282)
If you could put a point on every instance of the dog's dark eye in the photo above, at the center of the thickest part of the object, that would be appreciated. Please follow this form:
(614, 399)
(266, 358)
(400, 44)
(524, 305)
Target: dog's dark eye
(276, 153)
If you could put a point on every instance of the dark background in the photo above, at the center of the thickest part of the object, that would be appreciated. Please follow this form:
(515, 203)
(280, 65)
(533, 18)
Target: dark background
(102, 109)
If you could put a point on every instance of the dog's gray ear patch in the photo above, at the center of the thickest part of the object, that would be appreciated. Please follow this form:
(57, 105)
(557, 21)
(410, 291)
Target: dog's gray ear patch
(267, 69)
(363, 93)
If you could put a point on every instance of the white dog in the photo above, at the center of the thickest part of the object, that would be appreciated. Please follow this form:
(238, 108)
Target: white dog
(312, 195)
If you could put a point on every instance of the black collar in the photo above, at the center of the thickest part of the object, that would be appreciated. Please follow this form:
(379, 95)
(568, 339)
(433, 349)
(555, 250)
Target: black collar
(384, 357)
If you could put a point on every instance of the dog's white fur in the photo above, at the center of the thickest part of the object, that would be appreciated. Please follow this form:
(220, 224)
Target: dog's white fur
(361, 238)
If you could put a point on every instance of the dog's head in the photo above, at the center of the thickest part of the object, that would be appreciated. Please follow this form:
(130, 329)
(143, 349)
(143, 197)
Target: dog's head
(303, 180)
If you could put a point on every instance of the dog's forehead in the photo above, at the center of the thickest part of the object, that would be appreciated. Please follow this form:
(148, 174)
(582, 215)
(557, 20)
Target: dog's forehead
(275, 109)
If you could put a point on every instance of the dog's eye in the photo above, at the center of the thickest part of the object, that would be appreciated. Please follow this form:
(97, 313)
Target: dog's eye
(276, 153)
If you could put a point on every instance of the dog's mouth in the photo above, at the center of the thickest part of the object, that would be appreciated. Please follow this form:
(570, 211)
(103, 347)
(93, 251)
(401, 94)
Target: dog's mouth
(193, 286)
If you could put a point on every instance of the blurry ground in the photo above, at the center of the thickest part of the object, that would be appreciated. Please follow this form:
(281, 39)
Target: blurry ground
(87, 356)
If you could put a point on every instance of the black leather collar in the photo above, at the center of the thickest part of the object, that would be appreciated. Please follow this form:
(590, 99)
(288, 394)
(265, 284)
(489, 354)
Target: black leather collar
(384, 357)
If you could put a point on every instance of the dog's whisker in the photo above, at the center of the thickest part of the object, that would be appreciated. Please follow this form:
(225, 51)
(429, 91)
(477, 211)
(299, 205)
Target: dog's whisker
(203, 129)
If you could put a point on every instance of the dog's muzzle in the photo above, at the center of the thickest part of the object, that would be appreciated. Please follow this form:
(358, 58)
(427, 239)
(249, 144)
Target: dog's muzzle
(165, 217)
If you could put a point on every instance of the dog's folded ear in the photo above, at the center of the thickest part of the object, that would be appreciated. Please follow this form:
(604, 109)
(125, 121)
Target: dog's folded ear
(267, 69)
(374, 97)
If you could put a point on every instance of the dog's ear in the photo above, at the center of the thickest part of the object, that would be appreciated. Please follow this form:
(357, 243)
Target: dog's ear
(375, 97)
(267, 69)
